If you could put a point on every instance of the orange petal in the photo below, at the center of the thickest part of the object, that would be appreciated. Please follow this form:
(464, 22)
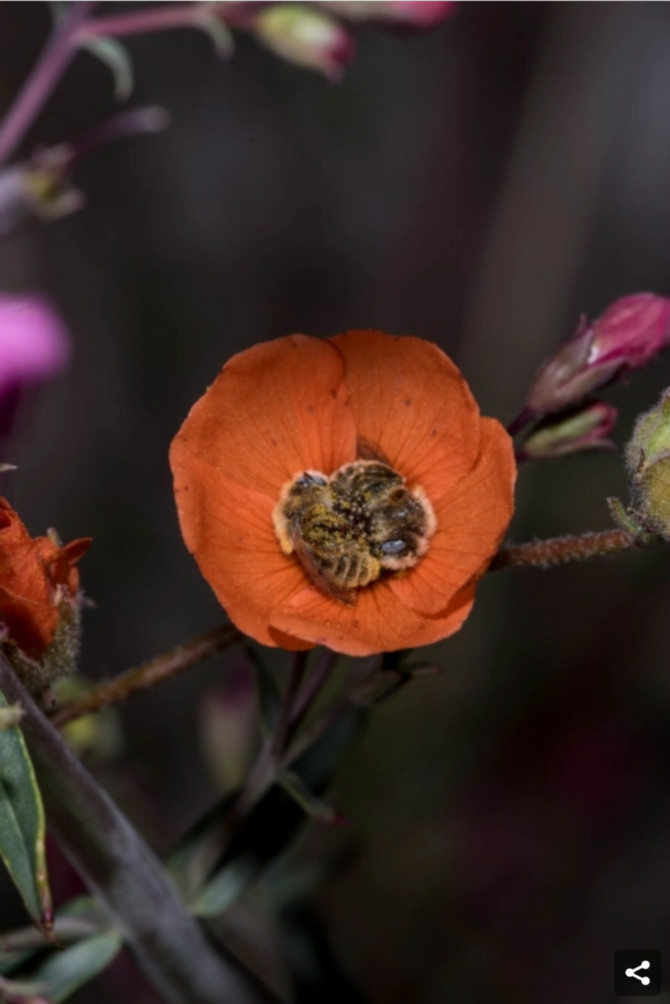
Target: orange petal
(471, 522)
(409, 399)
(31, 623)
(274, 410)
(378, 622)
(228, 529)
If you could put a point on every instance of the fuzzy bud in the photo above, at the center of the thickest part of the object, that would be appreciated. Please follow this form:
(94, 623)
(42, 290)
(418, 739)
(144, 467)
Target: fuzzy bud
(306, 37)
(630, 333)
(648, 463)
(583, 428)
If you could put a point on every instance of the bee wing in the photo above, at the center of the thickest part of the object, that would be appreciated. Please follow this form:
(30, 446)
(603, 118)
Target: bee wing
(367, 450)
(320, 577)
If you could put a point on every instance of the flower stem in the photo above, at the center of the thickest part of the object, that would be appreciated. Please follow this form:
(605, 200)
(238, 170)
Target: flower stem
(146, 675)
(308, 693)
(286, 712)
(44, 76)
(138, 22)
(124, 874)
(564, 550)
(277, 752)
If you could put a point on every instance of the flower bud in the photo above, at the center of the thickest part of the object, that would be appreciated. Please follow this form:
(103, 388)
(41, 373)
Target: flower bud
(584, 428)
(416, 13)
(630, 333)
(39, 600)
(648, 463)
(305, 36)
(34, 346)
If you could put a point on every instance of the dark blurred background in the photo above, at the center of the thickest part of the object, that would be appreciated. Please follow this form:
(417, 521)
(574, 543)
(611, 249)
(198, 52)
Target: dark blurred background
(479, 185)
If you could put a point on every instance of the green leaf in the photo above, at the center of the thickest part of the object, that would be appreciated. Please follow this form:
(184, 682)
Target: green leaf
(225, 887)
(22, 826)
(117, 59)
(310, 803)
(64, 972)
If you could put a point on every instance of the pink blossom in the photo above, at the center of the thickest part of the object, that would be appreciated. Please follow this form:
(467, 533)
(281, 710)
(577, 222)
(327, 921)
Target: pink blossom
(630, 333)
(34, 347)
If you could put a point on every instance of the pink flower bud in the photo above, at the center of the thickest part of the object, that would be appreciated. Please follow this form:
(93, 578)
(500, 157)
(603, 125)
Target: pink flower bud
(34, 347)
(630, 333)
(306, 37)
(416, 13)
(584, 428)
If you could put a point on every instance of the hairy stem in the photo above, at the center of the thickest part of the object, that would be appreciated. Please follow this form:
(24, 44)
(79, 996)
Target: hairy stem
(146, 675)
(123, 872)
(44, 76)
(563, 550)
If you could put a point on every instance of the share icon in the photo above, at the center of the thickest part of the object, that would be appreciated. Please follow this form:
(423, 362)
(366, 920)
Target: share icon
(637, 973)
(644, 980)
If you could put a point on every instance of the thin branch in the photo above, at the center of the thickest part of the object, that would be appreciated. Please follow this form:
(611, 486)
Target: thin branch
(308, 693)
(138, 22)
(40, 83)
(148, 674)
(286, 712)
(121, 870)
(564, 550)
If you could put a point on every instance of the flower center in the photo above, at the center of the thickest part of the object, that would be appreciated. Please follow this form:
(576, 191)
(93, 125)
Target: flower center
(348, 529)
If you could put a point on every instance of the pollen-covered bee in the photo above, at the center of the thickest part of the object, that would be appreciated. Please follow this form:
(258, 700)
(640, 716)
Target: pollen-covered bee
(348, 529)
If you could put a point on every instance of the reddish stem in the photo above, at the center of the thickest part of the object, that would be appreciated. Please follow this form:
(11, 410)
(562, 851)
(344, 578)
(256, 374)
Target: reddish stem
(138, 22)
(563, 550)
(44, 76)
(148, 674)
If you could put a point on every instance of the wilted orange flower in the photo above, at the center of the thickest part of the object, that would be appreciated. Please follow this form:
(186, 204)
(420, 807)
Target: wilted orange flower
(35, 575)
(269, 434)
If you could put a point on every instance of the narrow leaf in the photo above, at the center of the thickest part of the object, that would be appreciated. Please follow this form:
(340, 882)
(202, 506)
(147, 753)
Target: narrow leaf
(229, 883)
(64, 972)
(117, 59)
(22, 992)
(22, 827)
(310, 803)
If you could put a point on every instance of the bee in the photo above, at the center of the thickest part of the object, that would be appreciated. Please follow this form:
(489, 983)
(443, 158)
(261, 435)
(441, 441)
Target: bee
(348, 529)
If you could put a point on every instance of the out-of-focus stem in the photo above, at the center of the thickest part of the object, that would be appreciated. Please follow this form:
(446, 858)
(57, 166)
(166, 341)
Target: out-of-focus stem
(563, 550)
(137, 22)
(44, 76)
(122, 871)
(146, 675)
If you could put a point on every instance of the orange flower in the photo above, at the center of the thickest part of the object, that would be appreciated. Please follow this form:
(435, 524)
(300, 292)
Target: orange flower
(35, 575)
(301, 404)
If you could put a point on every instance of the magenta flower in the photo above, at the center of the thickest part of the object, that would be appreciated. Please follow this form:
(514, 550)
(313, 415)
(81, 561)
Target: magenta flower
(34, 347)
(630, 333)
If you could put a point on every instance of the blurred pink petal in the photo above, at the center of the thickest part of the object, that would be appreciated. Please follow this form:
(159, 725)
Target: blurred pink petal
(631, 332)
(34, 348)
